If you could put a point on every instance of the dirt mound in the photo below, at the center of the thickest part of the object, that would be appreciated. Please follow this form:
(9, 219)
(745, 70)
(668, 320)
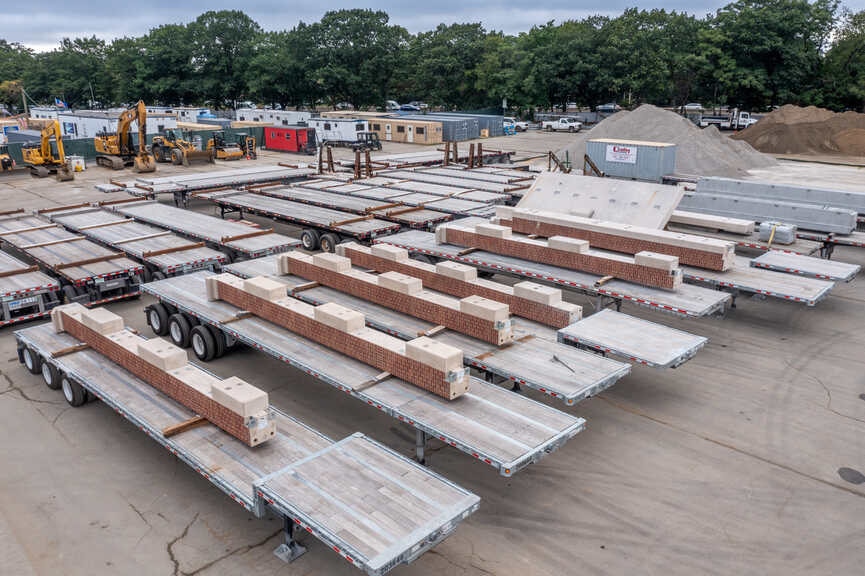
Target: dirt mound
(794, 130)
(699, 152)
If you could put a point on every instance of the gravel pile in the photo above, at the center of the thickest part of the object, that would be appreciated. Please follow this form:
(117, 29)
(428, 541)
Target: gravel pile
(699, 152)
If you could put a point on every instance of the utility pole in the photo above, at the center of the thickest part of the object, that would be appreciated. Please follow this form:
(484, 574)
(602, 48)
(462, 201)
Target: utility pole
(92, 98)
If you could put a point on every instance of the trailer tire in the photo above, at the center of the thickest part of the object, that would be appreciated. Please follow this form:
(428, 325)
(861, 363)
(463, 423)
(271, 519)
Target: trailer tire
(74, 393)
(158, 275)
(309, 239)
(179, 330)
(157, 318)
(203, 343)
(146, 275)
(328, 242)
(32, 360)
(219, 339)
(51, 375)
(69, 292)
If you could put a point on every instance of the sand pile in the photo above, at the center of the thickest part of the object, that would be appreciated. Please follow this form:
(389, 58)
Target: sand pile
(700, 152)
(794, 130)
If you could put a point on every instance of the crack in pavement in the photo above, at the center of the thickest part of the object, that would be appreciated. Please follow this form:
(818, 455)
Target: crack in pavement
(170, 546)
(15, 388)
(828, 405)
(463, 567)
(240, 550)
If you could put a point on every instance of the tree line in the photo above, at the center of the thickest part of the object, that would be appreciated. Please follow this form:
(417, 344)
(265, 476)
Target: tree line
(753, 54)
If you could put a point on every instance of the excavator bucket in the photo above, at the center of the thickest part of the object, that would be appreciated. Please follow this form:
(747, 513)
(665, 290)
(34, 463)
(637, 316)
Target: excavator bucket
(199, 156)
(144, 163)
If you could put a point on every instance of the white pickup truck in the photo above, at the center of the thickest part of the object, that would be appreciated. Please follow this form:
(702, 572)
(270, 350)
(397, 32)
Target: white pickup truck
(566, 124)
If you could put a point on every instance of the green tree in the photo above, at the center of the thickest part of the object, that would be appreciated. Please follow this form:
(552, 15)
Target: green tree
(165, 71)
(844, 71)
(281, 71)
(15, 59)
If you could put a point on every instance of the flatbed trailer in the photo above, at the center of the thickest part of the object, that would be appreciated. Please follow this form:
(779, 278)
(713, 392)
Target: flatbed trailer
(408, 216)
(467, 204)
(434, 189)
(89, 273)
(855, 239)
(688, 300)
(432, 157)
(184, 186)
(320, 225)
(25, 292)
(163, 253)
(638, 340)
(521, 179)
(314, 484)
(237, 240)
(820, 268)
(419, 176)
(535, 359)
(805, 246)
(504, 430)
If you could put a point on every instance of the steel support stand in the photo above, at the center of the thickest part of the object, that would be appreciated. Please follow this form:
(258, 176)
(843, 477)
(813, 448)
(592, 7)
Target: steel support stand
(290, 550)
(420, 446)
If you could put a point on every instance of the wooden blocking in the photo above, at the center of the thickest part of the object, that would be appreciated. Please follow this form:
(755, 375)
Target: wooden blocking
(442, 234)
(485, 308)
(285, 260)
(339, 317)
(74, 310)
(102, 321)
(434, 354)
(162, 354)
(240, 397)
(264, 287)
(457, 271)
(493, 230)
(126, 339)
(538, 293)
(332, 262)
(382, 339)
(390, 252)
(572, 245)
(400, 283)
(655, 260)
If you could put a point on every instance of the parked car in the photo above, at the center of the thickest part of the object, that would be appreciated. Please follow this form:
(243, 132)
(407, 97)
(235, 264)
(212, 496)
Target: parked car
(391, 105)
(567, 124)
(344, 106)
(409, 108)
(519, 125)
(420, 105)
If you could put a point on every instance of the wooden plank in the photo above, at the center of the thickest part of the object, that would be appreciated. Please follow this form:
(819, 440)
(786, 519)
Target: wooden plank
(467, 251)
(104, 224)
(242, 315)
(405, 210)
(305, 286)
(69, 350)
(350, 221)
(31, 229)
(8, 273)
(69, 207)
(143, 237)
(113, 202)
(52, 242)
(171, 250)
(227, 239)
(89, 261)
(384, 207)
(10, 212)
(372, 381)
(175, 429)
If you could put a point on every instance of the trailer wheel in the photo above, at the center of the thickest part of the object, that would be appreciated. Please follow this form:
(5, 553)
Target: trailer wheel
(309, 239)
(146, 275)
(203, 343)
(328, 242)
(73, 392)
(158, 275)
(157, 317)
(69, 292)
(179, 330)
(51, 375)
(219, 339)
(32, 361)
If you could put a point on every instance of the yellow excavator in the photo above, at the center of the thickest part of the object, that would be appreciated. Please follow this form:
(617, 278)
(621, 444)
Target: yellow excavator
(171, 146)
(45, 159)
(7, 164)
(117, 150)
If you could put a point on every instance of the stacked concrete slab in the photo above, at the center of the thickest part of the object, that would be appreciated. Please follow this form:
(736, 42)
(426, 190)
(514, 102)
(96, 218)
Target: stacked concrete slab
(475, 316)
(711, 222)
(233, 405)
(851, 200)
(690, 249)
(652, 269)
(536, 302)
(431, 365)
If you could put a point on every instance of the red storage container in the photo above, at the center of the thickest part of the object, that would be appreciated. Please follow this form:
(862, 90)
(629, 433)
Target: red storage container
(299, 139)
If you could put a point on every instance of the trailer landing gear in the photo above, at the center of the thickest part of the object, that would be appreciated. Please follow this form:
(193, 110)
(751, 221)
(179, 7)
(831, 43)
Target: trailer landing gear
(290, 550)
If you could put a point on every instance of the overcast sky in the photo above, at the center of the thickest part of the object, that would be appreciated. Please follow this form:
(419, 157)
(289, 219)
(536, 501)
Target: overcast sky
(42, 24)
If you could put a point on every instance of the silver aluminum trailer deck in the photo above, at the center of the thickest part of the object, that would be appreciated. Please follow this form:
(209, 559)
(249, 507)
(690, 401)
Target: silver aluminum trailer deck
(25, 292)
(638, 340)
(344, 224)
(163, 252)
(752, 242)
(426, 158)
(688, 300)
(422, 218)
(434, 189)
(483, 176)
(370, 505)
(855, 239)
(745, 278)
(535, 359)
(452, 181)
(224, 235)
(807, 266)
(90, 274)
(505, 430)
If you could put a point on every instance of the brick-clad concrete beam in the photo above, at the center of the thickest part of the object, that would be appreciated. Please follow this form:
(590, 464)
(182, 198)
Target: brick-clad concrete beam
(244, 411)
(431, 306)
(461, 281)
(428, 364)
(575, 257)
(693, 250)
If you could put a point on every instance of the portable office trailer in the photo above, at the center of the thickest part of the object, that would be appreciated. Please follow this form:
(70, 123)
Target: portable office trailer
(189, 114)
(634, 159)
(274, 117)
(89, 123)
(338, 131)
(300, 139)
(492, 123)
(403, 130)
(454, 128)
(354, 114)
